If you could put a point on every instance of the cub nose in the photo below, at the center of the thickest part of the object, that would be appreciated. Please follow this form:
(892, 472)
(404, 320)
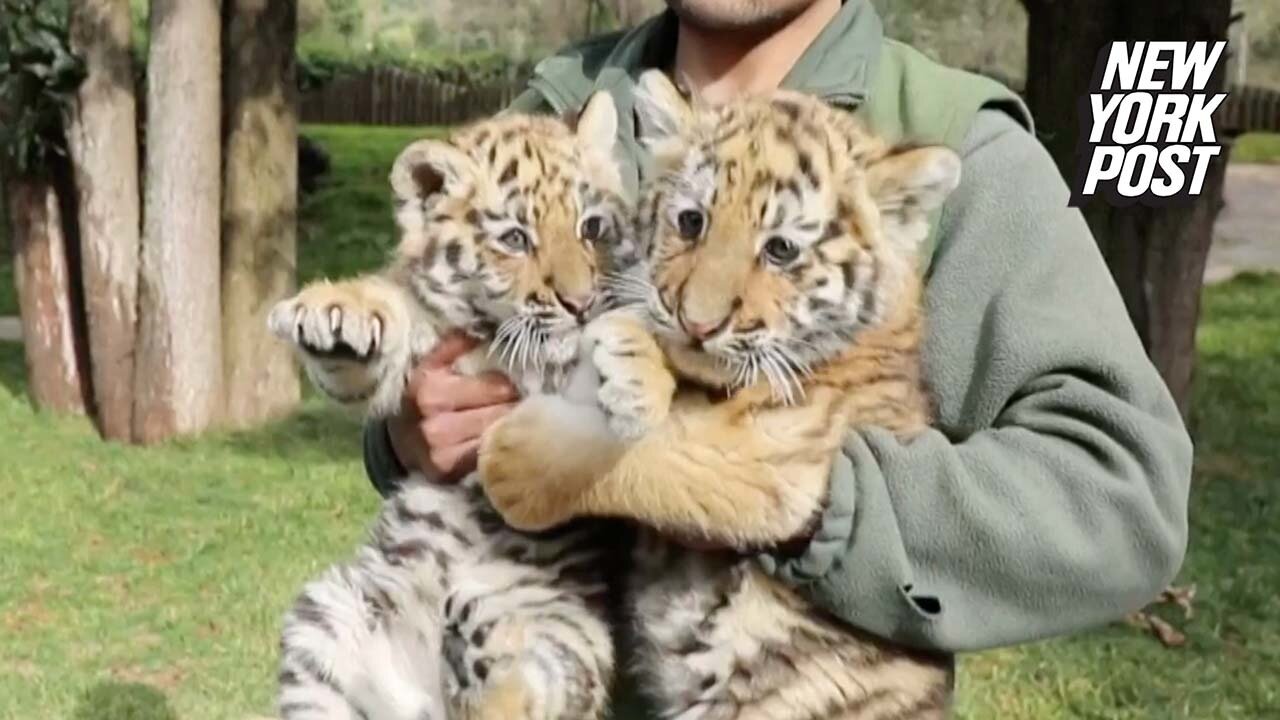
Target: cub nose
(577, 305)
(702, 330)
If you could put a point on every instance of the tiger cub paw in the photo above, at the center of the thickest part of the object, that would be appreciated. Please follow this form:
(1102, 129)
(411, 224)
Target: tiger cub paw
(482, 653)
(352, 319)
(352, 337)
(538, 462)
(635, 385)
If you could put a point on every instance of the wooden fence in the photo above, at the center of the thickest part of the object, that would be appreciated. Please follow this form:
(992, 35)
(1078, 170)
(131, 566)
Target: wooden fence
(1249, 109)
(385, 96)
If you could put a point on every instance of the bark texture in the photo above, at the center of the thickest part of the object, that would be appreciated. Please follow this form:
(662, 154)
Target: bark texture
(1157, 255)
(102, 140)
(259, 206)
(178, 366)
(44, 270)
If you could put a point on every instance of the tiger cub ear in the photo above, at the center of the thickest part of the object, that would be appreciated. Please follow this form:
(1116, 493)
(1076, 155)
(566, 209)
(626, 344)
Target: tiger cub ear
(597, 124)
(906, 184)
(428, 167)
(662, 111)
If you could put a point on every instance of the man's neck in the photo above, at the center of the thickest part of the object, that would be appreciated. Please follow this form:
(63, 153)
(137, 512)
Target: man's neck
(718, 66)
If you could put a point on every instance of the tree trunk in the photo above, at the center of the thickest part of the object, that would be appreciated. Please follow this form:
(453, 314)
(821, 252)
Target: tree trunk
(102, 139)
(259, 206)
(178, 366)
(1157, 255)
(44, 273)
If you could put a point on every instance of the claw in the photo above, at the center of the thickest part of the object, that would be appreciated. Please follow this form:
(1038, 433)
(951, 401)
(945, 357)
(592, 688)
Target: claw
(375, 333)
(299, 314)
(335, 319)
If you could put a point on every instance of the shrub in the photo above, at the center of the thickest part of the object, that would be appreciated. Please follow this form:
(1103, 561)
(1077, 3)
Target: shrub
(38, 79)
(318, 65)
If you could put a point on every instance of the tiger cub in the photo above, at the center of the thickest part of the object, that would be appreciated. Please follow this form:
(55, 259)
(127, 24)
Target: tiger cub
(506, 230)
(780, 309)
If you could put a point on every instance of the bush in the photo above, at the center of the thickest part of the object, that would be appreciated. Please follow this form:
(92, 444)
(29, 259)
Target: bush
(318, 65)
(38, 79)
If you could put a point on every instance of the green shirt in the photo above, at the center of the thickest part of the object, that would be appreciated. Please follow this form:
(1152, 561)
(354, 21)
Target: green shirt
(1052, 494)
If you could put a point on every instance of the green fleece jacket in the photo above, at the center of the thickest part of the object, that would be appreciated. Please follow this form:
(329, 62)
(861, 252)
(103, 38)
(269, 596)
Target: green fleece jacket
(1052, 494)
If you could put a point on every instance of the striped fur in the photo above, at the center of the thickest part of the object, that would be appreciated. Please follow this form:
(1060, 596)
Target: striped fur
(780, 308)
(506, 231)
(446, 613)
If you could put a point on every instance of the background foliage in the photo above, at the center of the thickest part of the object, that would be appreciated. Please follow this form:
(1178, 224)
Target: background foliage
(38, 79)
(318, 66)
(985, 34)
(459, 37)
(149, 583)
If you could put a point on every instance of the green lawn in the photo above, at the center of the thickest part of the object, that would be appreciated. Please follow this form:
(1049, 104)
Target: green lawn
(347, 223)
(1257, 148)
(147, 584)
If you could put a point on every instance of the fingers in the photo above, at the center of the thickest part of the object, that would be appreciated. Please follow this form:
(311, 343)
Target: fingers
(435, 388)
(447, 351)
(450, 412)
(456, 461)
(445, 463)
(440, 391)
(461, 427)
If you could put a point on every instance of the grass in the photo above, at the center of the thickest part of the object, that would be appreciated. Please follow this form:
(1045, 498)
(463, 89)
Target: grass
(347, 223)
(1257, 148)
(147, 584)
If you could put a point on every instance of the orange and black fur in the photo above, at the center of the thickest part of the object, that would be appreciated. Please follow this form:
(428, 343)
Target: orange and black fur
(779, 310)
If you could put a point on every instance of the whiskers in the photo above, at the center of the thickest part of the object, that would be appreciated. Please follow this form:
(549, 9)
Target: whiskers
(778, 365)
(519, 342)
(784, 365)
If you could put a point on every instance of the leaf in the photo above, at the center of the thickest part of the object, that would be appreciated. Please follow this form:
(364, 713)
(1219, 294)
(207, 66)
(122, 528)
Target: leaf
(1167, 634)
(1182, 597)
(39, 75)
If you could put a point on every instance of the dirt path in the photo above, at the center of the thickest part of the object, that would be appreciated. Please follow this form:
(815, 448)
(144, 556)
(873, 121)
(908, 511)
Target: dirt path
(1247, 235)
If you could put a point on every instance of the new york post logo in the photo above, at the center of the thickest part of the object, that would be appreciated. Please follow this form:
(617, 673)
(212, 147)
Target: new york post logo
(1147, 130)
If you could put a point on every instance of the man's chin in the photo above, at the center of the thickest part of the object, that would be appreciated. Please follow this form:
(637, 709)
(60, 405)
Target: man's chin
(740, 16)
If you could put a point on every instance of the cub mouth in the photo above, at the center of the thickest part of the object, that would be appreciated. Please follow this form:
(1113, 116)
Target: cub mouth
(697, 366)
(525, 343)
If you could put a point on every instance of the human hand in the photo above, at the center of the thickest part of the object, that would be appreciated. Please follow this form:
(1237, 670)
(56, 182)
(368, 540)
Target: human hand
(444, 414)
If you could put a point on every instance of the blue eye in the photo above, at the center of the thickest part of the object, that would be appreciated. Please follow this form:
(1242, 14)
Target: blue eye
(515, 239)
(781, 251)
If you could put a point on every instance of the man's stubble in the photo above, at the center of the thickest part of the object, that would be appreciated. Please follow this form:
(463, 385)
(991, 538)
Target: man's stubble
(738, 16)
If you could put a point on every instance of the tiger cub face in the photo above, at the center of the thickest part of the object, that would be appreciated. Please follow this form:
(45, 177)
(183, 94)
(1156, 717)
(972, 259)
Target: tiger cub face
(777, 229)
(507, 227)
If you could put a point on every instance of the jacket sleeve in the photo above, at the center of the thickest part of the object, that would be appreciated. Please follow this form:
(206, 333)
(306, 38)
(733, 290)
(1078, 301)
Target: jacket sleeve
(1052, 494)
(380, 461)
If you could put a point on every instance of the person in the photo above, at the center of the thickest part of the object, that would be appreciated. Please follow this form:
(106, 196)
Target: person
(1052, 495)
